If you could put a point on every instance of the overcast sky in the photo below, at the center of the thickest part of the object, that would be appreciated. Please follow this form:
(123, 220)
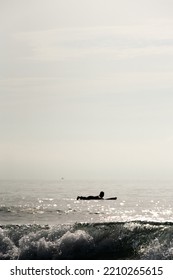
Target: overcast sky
(86, 89)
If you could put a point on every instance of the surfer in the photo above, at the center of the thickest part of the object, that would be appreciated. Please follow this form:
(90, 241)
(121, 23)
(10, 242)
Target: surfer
(100, 196)
(97, 197)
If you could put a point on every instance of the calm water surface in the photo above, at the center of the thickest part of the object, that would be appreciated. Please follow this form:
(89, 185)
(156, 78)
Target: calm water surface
(54, 202)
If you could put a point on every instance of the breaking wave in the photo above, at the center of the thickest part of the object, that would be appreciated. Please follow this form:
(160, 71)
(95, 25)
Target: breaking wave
(123, 240)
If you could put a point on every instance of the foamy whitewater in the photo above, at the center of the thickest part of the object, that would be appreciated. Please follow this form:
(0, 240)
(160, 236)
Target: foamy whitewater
(43, 220)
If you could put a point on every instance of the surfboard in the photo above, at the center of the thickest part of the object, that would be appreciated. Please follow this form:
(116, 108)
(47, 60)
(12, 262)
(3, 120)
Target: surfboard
(111, 198)
(85, 198)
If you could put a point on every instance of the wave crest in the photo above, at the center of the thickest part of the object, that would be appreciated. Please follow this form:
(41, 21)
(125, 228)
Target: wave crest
(130, 240)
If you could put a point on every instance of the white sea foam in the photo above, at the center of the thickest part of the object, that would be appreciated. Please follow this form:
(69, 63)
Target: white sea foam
(134, 240)
(45, 223)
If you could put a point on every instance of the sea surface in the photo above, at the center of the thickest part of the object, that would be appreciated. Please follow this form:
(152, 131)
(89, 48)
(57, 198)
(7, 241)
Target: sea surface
(44, 220)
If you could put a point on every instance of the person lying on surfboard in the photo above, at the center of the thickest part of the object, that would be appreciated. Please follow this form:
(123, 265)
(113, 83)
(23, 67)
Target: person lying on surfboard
(100, 196)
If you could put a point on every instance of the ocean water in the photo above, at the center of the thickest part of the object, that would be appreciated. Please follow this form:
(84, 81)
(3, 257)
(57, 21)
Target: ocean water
(43, 220)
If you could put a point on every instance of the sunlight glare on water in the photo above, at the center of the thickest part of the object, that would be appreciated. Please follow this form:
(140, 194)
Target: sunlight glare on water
(51, 202)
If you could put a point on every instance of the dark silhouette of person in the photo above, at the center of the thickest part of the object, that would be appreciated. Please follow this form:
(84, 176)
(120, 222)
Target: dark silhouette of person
(100, 196)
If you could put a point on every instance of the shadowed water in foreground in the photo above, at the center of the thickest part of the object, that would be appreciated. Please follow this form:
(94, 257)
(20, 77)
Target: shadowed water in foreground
(124, 240)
